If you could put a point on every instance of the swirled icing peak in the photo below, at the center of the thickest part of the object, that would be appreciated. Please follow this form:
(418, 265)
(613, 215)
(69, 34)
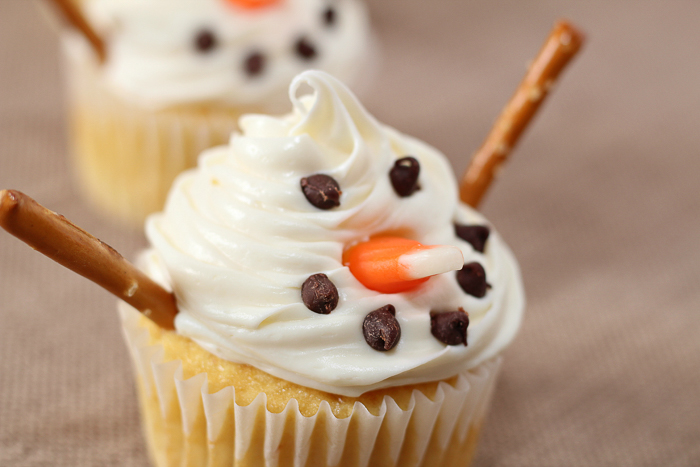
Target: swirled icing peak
(165, 53)
(238, 240)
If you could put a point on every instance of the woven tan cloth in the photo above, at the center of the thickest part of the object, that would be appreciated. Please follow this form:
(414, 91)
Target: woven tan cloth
(601, 204)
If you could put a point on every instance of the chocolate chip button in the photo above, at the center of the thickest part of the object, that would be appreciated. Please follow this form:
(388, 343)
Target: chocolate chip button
(329, 16)
(472, 279)
(450, 327)
(476, 235)
(322, 191)
(404, 176)
(205, 41)
(254, 63)
(305, 49)
(381, 329)
(319, 294)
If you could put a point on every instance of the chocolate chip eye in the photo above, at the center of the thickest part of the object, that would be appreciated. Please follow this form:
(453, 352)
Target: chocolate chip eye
(321, 191)
(450, 327)
(205, 41)
(381, 329)
(472, 279)
(254, 63)
(319, 294)
(329, 16)
(305, 49)
(404, 176)
(475, 235)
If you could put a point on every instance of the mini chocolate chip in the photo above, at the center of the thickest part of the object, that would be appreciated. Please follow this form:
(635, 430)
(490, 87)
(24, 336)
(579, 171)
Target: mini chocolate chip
(329, 16)
(450, 327)
(319, 294)
(205, 41)
(322, 191)
(472, 279)
(305, 49)
(381, 329)
(476, 235)
(254, 63)
(404, 176)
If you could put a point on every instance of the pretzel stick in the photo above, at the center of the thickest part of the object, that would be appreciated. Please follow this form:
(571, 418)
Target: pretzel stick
(56, 237)
(71, 12)
(560, 47)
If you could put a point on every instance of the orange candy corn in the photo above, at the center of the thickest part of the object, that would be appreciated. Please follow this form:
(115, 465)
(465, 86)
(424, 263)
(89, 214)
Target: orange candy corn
(394, 264)
(252, 4)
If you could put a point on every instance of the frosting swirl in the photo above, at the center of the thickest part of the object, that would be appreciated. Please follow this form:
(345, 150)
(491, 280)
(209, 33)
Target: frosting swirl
(171, 52)
(237, 240)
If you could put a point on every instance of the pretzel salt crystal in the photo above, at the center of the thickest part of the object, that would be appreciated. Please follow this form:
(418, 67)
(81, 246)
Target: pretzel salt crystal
(560, 47)
(71, 12)
(59, 239)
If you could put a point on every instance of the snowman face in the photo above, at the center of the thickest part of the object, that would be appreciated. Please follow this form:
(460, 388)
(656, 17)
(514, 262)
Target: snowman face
(240, 52)
(320, 247)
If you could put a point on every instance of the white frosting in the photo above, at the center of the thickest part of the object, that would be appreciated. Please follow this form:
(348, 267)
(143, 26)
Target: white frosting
(152, 58)
(238, 238)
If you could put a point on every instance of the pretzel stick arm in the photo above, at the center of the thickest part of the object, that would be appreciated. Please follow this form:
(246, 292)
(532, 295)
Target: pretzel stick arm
(54, 236)
(560, 47)
(72, 14)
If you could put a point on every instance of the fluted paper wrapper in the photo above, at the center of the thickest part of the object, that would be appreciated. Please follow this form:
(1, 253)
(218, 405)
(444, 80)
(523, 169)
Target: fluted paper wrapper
(185, 425)
(125, 155)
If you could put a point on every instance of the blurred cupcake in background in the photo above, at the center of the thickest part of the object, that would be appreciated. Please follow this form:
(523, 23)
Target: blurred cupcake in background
(170, 78)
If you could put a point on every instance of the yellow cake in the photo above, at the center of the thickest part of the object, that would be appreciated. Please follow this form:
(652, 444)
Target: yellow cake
(169, 442)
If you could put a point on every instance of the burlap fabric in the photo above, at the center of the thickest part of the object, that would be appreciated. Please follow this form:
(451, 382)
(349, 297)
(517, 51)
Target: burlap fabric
(600, 203)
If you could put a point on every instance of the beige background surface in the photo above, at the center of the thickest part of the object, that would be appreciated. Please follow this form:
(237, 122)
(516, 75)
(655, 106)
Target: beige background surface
(600, 203)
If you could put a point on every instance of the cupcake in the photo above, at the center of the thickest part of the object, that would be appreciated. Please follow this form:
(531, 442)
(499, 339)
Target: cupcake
(173, 77)
(316, 293)
(337, 303)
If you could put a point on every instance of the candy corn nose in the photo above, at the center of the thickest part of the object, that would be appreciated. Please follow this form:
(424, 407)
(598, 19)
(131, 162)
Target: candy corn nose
(253, 4)
(394, 264)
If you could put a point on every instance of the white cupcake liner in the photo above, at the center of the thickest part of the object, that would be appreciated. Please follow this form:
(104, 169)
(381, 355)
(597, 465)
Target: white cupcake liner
(126, 156)
(423, 434)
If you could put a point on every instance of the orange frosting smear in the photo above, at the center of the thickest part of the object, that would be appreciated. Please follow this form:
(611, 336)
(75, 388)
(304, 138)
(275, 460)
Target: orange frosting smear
(253, 4)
